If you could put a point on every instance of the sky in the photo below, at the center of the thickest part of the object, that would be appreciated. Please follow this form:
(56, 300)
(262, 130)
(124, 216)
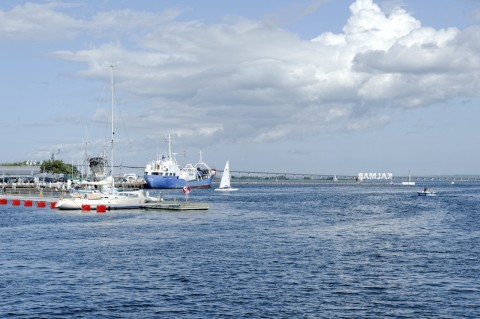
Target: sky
(305, 86)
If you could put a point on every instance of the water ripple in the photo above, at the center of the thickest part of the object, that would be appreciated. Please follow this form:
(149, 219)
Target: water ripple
(267, 251)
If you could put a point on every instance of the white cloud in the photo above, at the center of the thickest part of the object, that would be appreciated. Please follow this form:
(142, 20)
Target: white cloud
(51, 21)
(37, 22)
(260, 82)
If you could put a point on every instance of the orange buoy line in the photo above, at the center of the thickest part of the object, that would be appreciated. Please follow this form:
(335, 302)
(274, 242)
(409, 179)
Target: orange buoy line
(40, 203)
(99, 208)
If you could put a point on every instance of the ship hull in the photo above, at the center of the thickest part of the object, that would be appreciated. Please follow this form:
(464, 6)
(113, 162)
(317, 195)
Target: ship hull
(172, 182)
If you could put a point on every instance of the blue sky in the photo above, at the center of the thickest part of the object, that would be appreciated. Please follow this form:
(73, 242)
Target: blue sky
(324, 87)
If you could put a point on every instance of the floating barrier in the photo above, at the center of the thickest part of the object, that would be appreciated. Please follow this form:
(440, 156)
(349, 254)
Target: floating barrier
(27, 202)
(101, 208)
(163, 205)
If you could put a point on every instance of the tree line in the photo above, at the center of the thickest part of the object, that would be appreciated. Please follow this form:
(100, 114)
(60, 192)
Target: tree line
(51, 166)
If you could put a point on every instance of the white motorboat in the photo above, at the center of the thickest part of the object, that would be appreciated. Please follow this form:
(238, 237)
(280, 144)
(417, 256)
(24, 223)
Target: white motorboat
(426, 192)
(225, 181)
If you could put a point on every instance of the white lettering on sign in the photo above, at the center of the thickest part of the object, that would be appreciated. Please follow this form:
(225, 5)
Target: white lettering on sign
(375, 176)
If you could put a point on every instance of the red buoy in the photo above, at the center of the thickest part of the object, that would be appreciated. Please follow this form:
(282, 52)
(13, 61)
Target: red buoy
(86, 207)
(101, 208)
(3, 201)
(53, 204)
(41, 204)
(27, 203)
(16, 202)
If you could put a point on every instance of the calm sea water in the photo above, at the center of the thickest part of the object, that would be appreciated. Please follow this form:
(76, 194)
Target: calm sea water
(266, 251)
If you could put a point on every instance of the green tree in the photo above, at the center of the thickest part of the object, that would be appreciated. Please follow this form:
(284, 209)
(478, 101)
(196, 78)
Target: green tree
(58, 167)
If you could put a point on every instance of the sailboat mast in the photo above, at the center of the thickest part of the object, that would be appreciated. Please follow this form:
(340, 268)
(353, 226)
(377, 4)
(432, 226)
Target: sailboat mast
(113, 133)
(85, 160)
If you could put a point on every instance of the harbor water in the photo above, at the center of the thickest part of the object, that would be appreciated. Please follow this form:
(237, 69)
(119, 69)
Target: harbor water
(266, 251)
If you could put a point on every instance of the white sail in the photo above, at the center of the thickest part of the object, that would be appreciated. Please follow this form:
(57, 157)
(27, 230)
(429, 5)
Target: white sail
(225, 181)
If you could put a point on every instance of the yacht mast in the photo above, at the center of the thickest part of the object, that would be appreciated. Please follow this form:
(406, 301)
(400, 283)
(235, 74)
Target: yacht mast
(113, 133)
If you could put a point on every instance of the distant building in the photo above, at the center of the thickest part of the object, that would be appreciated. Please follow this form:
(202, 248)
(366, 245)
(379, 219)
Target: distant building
(18, 171)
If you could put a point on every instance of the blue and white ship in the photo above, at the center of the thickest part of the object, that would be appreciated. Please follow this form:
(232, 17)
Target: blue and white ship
(165, 173)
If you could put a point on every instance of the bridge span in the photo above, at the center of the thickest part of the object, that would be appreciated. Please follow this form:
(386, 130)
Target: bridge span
(237, 174)
(309, 176)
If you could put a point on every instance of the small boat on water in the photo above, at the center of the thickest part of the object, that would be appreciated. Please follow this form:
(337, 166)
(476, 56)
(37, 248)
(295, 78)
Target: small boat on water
(426, 192)
(165, 173)
(410, 182)
(225, 181)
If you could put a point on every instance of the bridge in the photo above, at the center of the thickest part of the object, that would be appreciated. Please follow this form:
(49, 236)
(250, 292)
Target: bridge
(322, 177)
(34, 170)
(309, 176)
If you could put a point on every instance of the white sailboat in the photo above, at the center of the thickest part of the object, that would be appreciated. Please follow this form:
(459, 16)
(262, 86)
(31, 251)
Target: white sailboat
(112, 200)
(410, 182)
(225, 181)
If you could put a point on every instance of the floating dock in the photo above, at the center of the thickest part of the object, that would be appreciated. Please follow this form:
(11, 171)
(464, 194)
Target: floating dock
(176, 205)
